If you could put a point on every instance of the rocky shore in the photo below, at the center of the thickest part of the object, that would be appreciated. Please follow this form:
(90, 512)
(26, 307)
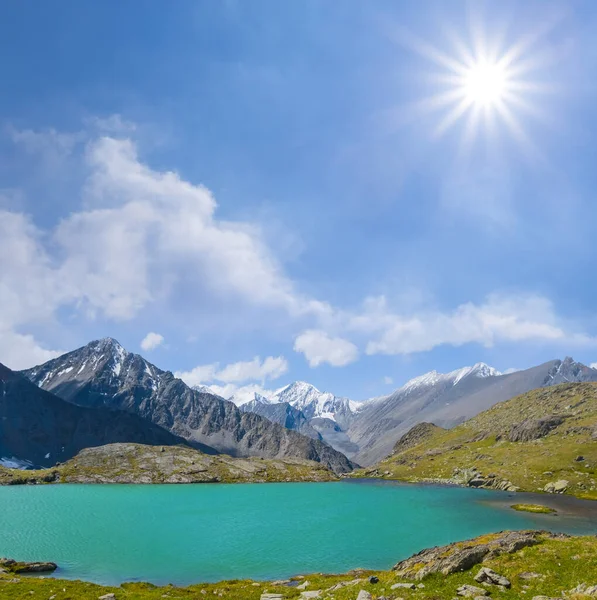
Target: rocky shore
(510, 565)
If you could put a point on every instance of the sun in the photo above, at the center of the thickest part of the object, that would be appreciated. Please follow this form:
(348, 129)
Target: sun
(485, 84)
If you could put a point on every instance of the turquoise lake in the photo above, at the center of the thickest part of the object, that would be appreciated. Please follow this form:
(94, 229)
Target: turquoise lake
(190, 533)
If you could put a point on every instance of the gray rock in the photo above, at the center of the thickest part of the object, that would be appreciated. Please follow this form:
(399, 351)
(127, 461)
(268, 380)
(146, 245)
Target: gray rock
(406, 586)
(310, 595)
(534, 429)
(107, 597)
(272, 597)
(487, 575)
(556, 487)
(584, 590)
(471, 591)
(462, 556)
(364, 595)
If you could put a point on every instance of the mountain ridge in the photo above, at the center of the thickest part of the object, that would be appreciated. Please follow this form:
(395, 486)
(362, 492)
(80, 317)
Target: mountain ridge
(103, 373)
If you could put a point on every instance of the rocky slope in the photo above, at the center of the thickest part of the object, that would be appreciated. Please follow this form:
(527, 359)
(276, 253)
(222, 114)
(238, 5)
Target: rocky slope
(283, 413)
(39, 429)
(447, 400)
(137, 463)
(104, 374)
(544, 440)
(509, 565)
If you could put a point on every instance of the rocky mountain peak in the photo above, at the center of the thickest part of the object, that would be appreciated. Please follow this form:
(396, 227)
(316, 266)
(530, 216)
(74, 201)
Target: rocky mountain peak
(569, 370)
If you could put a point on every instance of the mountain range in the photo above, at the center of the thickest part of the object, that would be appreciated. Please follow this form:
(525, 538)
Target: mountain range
(103, 375)
(367, 431)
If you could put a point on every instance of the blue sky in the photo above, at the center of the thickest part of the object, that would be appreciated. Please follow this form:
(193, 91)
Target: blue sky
(278, 190)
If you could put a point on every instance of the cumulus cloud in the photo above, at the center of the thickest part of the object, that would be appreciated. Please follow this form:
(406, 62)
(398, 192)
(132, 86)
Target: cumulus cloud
(272, 367)
(151, 341)
(318, 348)
(19, 351)
(140, 232)
(498, 319)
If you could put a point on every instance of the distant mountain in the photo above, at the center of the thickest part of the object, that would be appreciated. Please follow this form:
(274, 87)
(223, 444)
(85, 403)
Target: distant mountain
(447, 400)
(282, 413)
(302, 407)
(39, 429)
(104, 374)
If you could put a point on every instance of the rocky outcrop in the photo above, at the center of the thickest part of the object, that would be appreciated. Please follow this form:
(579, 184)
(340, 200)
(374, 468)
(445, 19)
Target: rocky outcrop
(462, 556)
(416, 435)
(473, 478)
(556, 487)
(8, 565)
(487, 575)
(136, 463)
(534, 429)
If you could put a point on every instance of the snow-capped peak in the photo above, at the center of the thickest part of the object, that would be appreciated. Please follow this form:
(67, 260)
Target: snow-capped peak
(314, 403)
(433, 377)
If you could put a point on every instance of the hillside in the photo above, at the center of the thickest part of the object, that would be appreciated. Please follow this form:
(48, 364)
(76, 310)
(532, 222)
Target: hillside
(448, 400)
(529, 442)
(533, 565)
(136, 463)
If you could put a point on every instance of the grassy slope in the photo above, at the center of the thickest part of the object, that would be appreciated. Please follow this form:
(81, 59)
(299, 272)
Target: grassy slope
(482, 443)
(136, 463)
(563, 563)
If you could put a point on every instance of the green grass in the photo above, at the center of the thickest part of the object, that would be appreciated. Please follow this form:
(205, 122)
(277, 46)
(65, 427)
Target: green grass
(482, 443)
(534, 508)
(562, 563)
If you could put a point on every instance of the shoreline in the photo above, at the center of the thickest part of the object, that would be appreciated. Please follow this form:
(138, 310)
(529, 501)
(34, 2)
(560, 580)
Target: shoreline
(533, 561)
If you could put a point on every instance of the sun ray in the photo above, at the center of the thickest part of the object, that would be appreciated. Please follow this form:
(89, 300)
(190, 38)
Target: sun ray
(486, 81)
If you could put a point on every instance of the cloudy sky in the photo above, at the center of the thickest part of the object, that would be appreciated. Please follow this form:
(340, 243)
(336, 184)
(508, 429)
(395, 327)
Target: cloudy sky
(348, 193)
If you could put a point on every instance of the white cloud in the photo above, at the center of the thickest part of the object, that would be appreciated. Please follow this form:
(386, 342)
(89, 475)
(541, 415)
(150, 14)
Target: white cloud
(523, 318)
(318, 348)
(151, 341)
(388, 380)
(140, 232)
(253, 370)
(19, 351)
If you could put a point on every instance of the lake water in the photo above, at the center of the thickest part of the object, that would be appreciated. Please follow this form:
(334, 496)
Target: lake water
(191, 533)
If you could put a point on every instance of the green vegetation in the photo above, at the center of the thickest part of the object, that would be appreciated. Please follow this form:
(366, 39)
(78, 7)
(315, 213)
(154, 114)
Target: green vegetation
(136, 463)
(555, 565)
(534, 508)
(480, 451)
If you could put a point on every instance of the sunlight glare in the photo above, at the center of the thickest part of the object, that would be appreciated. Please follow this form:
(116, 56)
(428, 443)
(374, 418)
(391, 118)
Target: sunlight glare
(485, 84)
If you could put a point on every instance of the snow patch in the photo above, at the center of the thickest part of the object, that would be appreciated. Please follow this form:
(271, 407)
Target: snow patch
(15, 463)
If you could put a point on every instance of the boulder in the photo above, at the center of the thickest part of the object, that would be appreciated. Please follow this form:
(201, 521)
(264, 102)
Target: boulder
(107, 597)
(471, 591)
(33, 567)
(486, 575)
(584, 590)
(310, 595)
(364, 595)
(272, 597)
(533, 429)
(462, 556)
(404, 586)
(556, 487)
